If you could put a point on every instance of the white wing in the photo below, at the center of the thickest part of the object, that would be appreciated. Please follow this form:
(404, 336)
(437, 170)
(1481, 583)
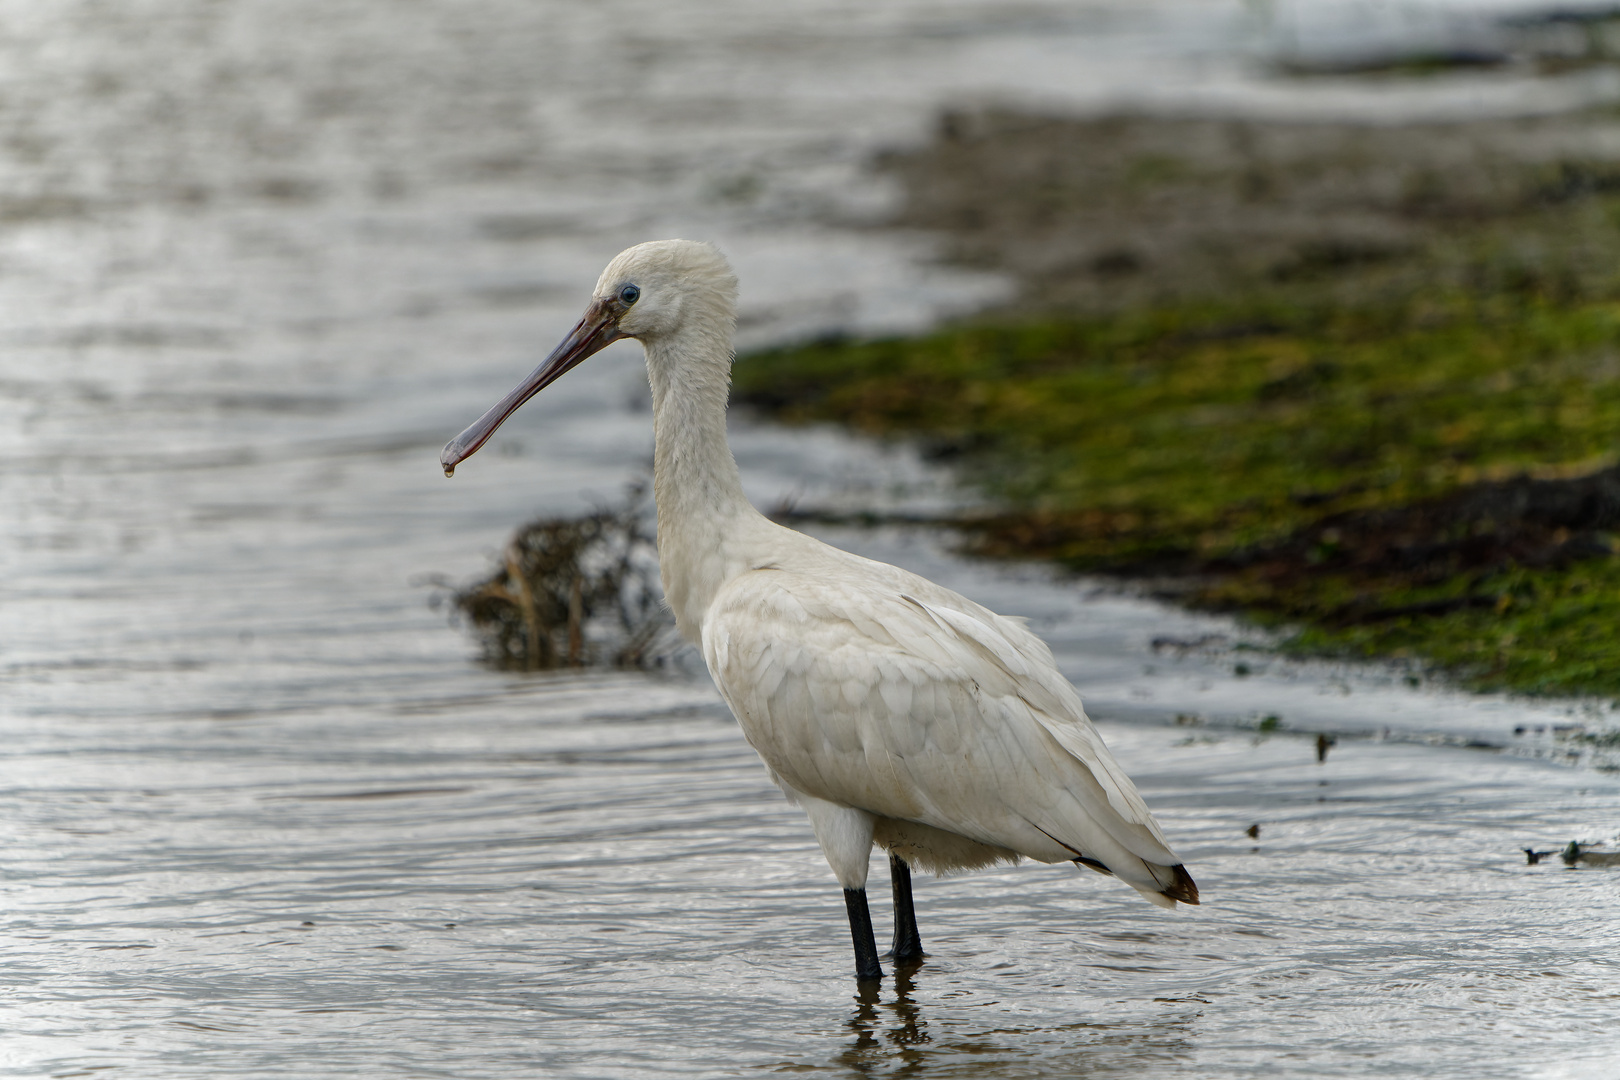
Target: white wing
(877, 689)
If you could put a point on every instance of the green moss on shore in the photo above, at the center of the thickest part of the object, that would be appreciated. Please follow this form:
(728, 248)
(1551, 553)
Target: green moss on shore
(1361, 381)
(1267, 453)
(1550, 631)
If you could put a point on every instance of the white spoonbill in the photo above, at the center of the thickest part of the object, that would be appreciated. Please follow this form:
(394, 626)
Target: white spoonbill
(892, 710)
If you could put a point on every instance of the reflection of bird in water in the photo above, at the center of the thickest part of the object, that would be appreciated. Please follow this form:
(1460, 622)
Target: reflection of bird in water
(882, 1030)
(891, 709)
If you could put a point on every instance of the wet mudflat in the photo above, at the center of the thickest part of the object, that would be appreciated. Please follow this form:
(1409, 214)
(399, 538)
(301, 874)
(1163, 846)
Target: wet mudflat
(265, 814)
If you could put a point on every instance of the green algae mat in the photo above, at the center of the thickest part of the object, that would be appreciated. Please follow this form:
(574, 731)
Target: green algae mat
(1410, 455)
(1435, 487)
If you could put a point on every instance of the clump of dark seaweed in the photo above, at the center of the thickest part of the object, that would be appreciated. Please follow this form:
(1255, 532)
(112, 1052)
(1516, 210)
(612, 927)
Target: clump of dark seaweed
(574, 592)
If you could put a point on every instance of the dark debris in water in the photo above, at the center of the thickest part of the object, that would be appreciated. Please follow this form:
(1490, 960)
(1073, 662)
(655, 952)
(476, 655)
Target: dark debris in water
(1579, 854)
(574, 592)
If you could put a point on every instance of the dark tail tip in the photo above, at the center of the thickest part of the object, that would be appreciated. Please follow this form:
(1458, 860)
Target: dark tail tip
(1183, 888)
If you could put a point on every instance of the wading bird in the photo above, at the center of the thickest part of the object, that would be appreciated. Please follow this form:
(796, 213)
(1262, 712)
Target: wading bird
(892, 710)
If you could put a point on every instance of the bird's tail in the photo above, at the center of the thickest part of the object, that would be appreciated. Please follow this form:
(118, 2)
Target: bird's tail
(1170, 883)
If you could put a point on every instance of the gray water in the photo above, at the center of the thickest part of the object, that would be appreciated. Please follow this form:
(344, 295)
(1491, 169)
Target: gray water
(265, 815)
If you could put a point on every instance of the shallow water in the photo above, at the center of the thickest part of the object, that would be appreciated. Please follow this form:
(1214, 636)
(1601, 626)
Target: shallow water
(264, 815)
(592, 877)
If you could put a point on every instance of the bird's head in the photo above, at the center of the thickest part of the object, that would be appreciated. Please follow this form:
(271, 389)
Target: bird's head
(660, 287)
(652, 292)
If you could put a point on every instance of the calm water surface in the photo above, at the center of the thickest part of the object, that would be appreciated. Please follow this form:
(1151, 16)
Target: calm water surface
(263, 815)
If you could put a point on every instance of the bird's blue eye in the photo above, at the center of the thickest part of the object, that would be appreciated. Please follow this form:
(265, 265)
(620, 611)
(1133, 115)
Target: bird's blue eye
(629, 294)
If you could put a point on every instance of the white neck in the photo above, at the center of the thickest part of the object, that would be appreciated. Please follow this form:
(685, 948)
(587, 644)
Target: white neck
(704, 519)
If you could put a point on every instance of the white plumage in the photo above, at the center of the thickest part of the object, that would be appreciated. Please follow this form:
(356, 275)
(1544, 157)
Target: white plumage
(893, 710)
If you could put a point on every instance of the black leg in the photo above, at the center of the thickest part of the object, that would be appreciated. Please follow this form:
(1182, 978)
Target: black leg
(860, 929)
(907, 942)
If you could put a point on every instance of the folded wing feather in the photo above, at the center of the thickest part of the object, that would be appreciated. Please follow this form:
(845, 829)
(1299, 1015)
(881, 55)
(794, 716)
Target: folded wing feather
(885, 692)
